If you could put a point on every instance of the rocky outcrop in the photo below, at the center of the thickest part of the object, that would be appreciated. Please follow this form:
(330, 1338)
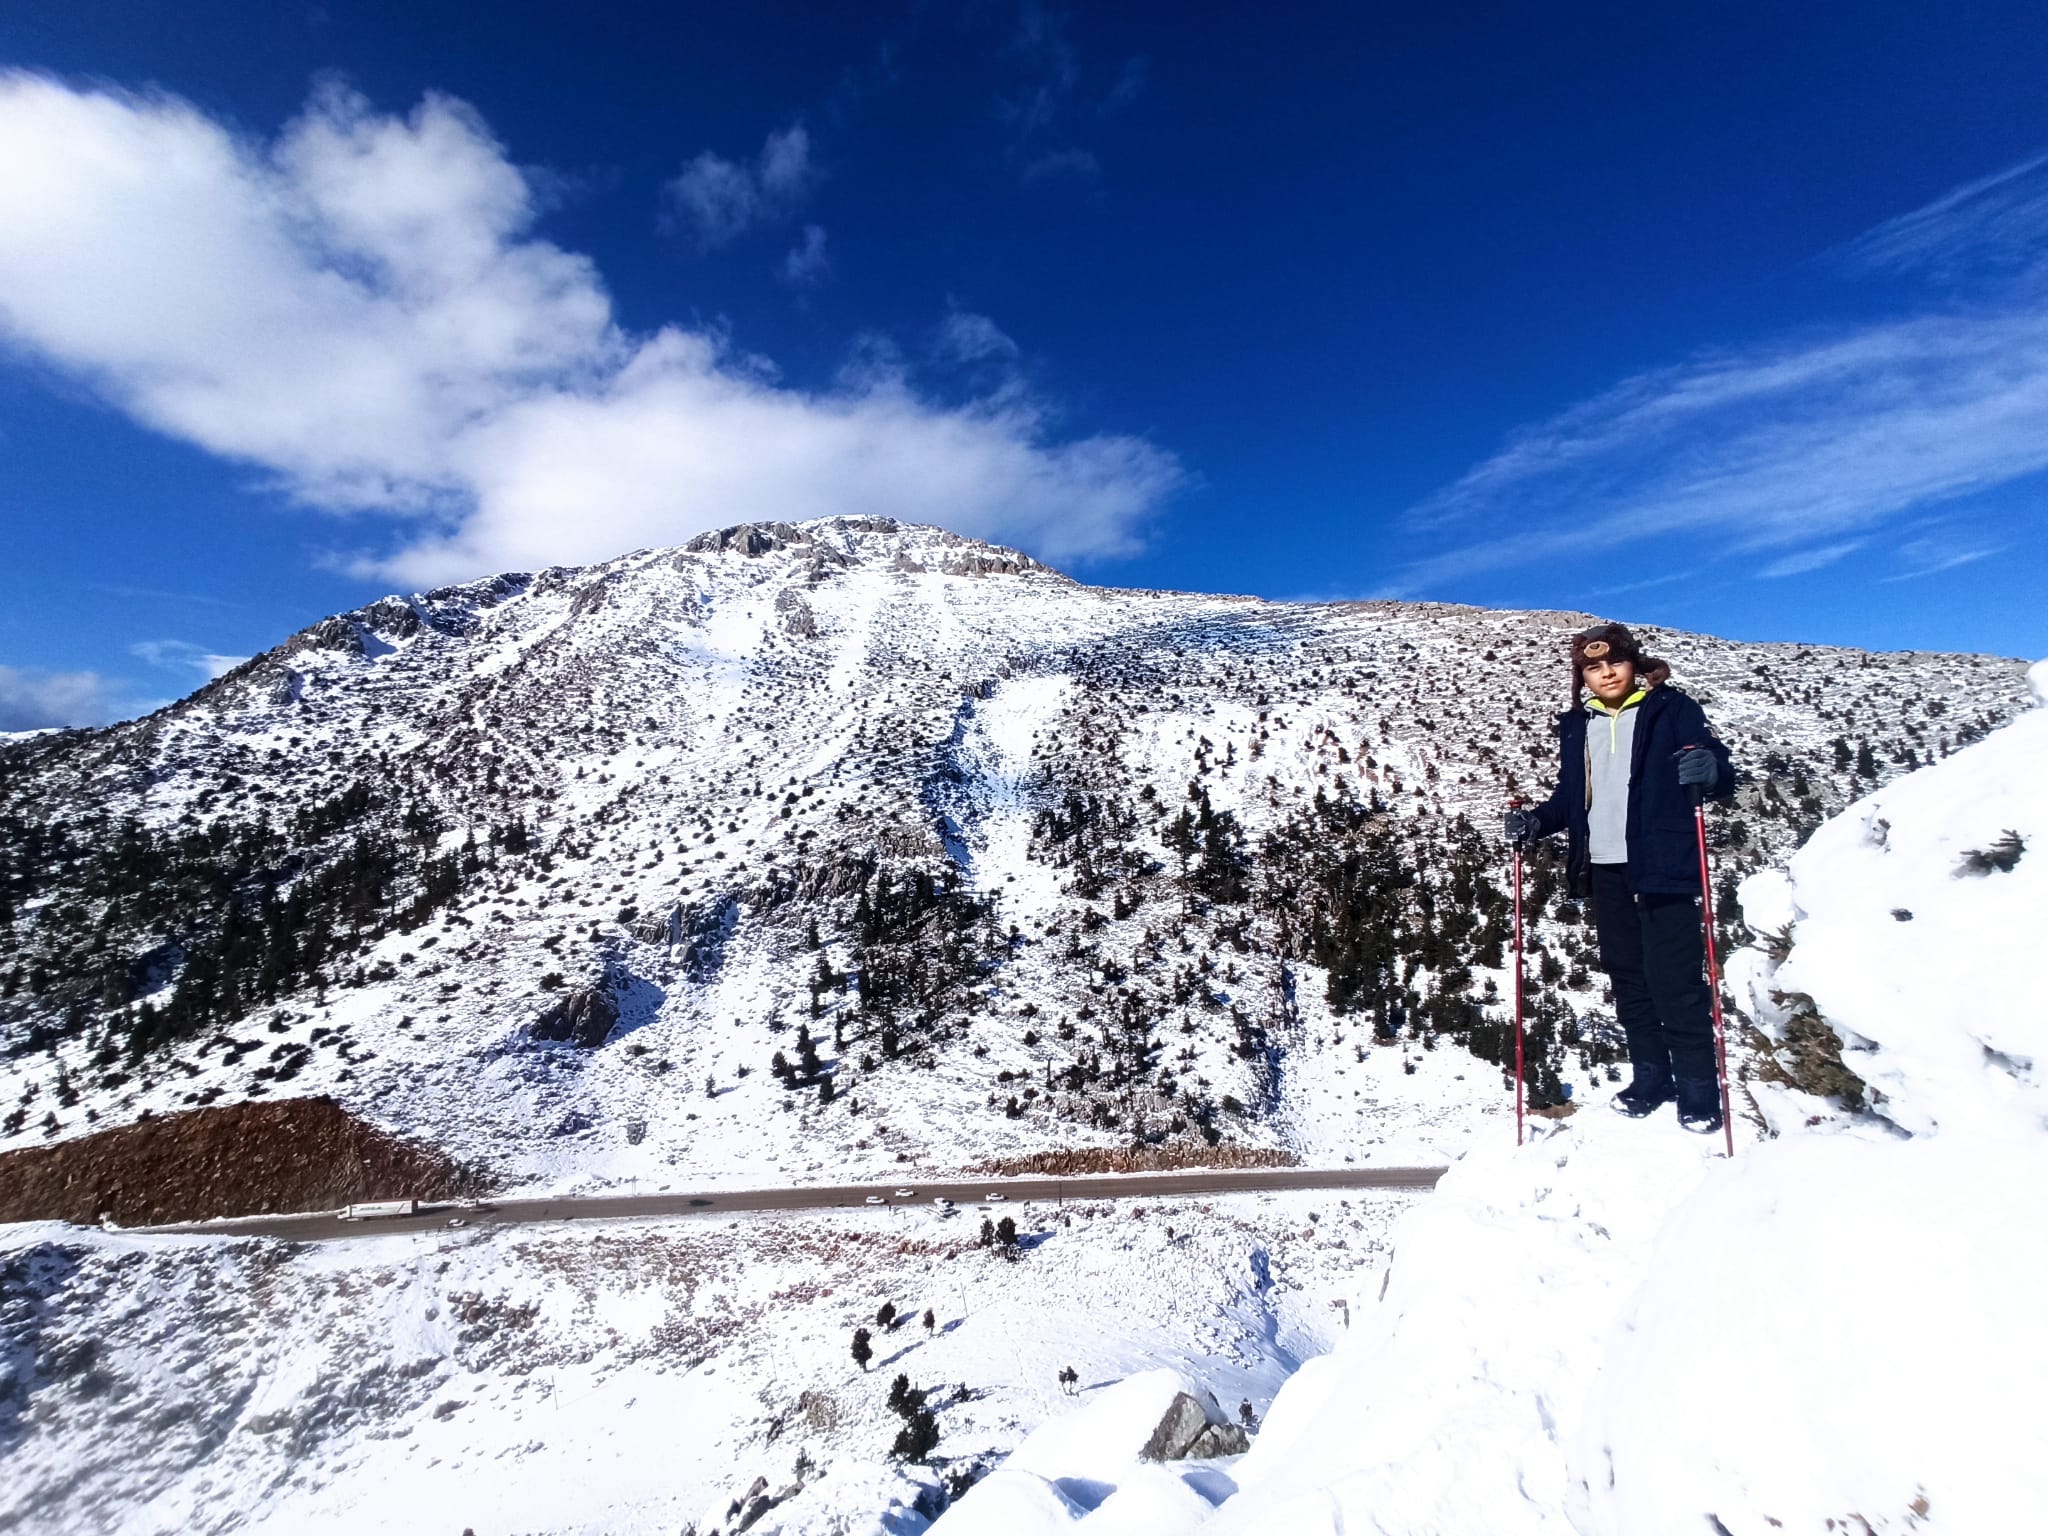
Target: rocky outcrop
(696, 932)
(392, 618)
(748, 539)
(584, 1017)
(1218, 1440)
(1193, 1427)
(704, 928)
(338, 633)
(991, 565)
(797, 617)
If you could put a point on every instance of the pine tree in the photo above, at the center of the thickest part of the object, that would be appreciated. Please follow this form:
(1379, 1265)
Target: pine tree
(863, 1351)
(919, 1436)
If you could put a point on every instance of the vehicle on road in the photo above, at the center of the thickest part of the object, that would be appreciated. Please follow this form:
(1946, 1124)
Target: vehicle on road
(997, 1194)
(457, 1221)
(905, 1194)
(876, 1200)
(375, 1210)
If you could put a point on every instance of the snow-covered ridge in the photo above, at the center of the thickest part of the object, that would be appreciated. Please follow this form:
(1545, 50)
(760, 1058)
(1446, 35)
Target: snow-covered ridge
(655, 777)
(1613, 1330)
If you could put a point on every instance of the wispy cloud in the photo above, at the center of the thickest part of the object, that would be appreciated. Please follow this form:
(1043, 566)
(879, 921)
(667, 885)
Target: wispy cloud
(1997, 221)
(360, 307)
(1792, 451)
(719, 200)
(1041, 111)
(183, 656)
(966, 337)
(1670, 578)
(1799, 563)
(807, 263)
(1930, 557)
(158, 594)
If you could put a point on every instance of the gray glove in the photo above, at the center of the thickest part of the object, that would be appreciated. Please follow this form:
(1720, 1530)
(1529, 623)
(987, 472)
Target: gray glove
(1696, 766)
(1520, 827)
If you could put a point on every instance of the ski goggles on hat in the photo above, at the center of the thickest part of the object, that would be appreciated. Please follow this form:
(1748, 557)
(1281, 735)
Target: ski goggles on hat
(1604, 642)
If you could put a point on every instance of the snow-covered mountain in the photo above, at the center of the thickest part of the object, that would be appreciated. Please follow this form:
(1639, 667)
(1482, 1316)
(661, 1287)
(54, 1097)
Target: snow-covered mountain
(548, 871)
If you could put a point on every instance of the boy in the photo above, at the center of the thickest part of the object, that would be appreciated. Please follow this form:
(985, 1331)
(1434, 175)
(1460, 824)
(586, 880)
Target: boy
(1629, 758)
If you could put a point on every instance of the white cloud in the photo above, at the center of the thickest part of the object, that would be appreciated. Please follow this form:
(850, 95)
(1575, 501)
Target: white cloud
(336, 306)
(361, 308)
(1997, 221)
(1792, 449)
(721, 200)
(965, 337)
(678, 438)
(1799, 562)
(32, 700)
(1931, 556)
(807, 264)
(183, 656)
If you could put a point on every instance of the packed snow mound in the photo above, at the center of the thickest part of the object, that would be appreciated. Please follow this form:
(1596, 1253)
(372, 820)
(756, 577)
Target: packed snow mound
(1615, 1330)
(1915, 918)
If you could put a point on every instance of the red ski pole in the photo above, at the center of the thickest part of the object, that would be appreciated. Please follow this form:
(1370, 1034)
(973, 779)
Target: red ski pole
(1699, 822)
(1517, 805)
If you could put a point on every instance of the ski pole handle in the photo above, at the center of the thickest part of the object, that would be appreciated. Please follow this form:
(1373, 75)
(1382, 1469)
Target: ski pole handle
(1696, 791)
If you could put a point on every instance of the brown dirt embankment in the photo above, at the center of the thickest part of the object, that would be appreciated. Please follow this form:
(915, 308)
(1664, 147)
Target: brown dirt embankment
(233, 1160)
(1079, 1160)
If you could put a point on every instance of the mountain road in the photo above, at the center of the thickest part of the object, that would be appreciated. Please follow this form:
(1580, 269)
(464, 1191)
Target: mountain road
(993, 1193)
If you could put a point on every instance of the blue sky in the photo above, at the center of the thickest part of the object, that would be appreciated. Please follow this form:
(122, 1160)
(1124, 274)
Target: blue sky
(1732, 318)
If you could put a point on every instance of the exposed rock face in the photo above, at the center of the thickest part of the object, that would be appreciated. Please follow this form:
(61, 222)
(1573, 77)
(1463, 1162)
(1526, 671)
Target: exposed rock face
(696, 932)
(1183, 1424)
(332, 634)
(1218, 1440)
(1193, 1427)
(585, 1017)
(797, 617)
(749, 539)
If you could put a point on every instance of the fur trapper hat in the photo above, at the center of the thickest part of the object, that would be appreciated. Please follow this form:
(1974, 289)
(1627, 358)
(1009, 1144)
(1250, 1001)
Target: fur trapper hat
(1604, 642)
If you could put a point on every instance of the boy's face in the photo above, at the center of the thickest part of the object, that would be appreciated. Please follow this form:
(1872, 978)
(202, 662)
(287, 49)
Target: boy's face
(1610, 680)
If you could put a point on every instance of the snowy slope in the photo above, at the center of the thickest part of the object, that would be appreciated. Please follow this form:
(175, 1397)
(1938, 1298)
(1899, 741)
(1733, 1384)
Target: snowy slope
(711, 753)
(1615, 1330)
(618, 1378)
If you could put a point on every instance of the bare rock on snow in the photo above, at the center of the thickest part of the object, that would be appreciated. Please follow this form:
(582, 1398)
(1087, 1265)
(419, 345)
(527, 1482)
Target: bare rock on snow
(585, 1017)
(1179, 1428)
(1218, 1440)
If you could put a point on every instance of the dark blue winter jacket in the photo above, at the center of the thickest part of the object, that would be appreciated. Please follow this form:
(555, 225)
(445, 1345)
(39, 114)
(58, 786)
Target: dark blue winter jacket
(1663, 850)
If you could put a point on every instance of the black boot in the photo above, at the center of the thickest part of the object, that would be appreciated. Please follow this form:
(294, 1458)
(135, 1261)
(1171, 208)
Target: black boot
(1699, 1106)
(1644, 1096)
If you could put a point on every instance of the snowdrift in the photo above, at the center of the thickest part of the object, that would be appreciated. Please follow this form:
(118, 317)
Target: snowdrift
(1616, 1330)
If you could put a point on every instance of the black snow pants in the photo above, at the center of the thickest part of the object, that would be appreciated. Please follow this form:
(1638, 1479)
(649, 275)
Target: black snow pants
(1656, 959)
